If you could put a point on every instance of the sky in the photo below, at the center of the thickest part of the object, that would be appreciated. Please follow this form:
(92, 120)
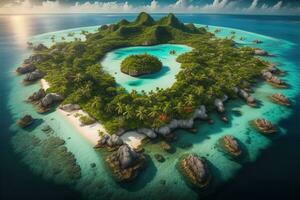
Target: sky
(267, 7)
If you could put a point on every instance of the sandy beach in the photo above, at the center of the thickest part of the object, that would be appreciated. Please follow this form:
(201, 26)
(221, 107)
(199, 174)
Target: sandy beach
(91, 132)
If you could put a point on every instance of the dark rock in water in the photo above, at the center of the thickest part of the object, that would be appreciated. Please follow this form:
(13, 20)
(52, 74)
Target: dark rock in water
(125, 163)
(49, 99)
(25, 121)
(114, 140)
(166, 146)
(159, 157)
(93, 165)
(33, 76)
(36, 96)
(264, 126)
(25, 69)
(196, 171)
(231, 145)
(260, 52)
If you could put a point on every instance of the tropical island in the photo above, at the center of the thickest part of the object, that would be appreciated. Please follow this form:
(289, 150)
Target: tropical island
(216, 70)
(137, 65)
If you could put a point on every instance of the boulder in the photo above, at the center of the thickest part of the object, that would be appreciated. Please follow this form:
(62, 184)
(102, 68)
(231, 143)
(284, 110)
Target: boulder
(35, 58)
(231, 146)
(33, 76)
(196, 171)
(185, 123)
(260, 52)
(69, 107)
(25, 121)
(200, 113)
(126, 156)
(264, 126)
(164, 130)
(219, 105)
(40, 47)
(26, 69)
(148, 132)
(36, 96)
(114, 140)
(173, 124)
(49, 99)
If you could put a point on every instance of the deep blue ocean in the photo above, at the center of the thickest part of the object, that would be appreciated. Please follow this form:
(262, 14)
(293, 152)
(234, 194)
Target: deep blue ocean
(274, 174)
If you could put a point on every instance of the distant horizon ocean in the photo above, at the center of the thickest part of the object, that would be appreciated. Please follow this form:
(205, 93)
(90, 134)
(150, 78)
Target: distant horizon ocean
(274, 174)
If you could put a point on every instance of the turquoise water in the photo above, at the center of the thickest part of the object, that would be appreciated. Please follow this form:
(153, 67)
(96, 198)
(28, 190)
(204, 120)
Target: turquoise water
(112, 62)
(97, 182)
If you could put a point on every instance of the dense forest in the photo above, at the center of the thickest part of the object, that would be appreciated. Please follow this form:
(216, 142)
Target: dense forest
(209, 71)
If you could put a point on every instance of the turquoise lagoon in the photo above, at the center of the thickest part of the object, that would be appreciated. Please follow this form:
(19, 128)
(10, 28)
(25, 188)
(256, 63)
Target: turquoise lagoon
(112, 62)
(98, 183)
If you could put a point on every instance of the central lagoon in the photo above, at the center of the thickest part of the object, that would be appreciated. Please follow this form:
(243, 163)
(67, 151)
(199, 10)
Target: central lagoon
(162, 79)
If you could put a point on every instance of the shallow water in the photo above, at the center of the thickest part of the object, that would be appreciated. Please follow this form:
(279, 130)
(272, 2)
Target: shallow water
(96, 182)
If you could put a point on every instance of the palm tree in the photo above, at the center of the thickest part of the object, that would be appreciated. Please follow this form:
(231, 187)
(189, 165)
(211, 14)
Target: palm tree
(141, 112)
(120, 108)
(96, 103)
(179, 107)
(167, 108)
(128, 113)
(154, 111)
(189, 100)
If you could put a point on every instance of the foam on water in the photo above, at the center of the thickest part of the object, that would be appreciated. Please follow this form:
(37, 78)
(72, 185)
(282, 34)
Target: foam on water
(98, 183)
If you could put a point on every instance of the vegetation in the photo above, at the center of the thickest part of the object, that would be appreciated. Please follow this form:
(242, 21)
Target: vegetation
(209, 71)
(86, 120)
(136, 65)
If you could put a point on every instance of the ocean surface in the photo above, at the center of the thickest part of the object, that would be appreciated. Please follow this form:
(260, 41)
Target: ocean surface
(269, 167)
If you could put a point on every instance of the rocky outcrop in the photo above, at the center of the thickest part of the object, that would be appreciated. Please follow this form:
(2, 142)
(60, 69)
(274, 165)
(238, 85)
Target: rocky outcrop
(25, 121)
(166, 146)
(246, 96)
(280, 99)
(40, 47)
(264, 126)
(111, 142)
(200, 113)
(69, 107)
(26, 69)
(231, 145)
(164, 130)
(114, 140)
(49, 99)
(257, 41)
(33, 76)
(125, 163)
(35, 58)
(260, 52)
(196, 171)
(267, 74)
(148, 132)
(219, 105)
(36, 96)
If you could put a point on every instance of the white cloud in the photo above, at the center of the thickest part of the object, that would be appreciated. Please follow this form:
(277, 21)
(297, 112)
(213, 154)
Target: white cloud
(217, 6)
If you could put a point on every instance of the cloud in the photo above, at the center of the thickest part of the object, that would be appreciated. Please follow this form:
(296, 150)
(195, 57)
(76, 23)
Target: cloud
(179, 6)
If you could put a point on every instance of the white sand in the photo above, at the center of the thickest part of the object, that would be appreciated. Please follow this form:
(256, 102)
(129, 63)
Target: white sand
(45, 85)
(91, 132)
